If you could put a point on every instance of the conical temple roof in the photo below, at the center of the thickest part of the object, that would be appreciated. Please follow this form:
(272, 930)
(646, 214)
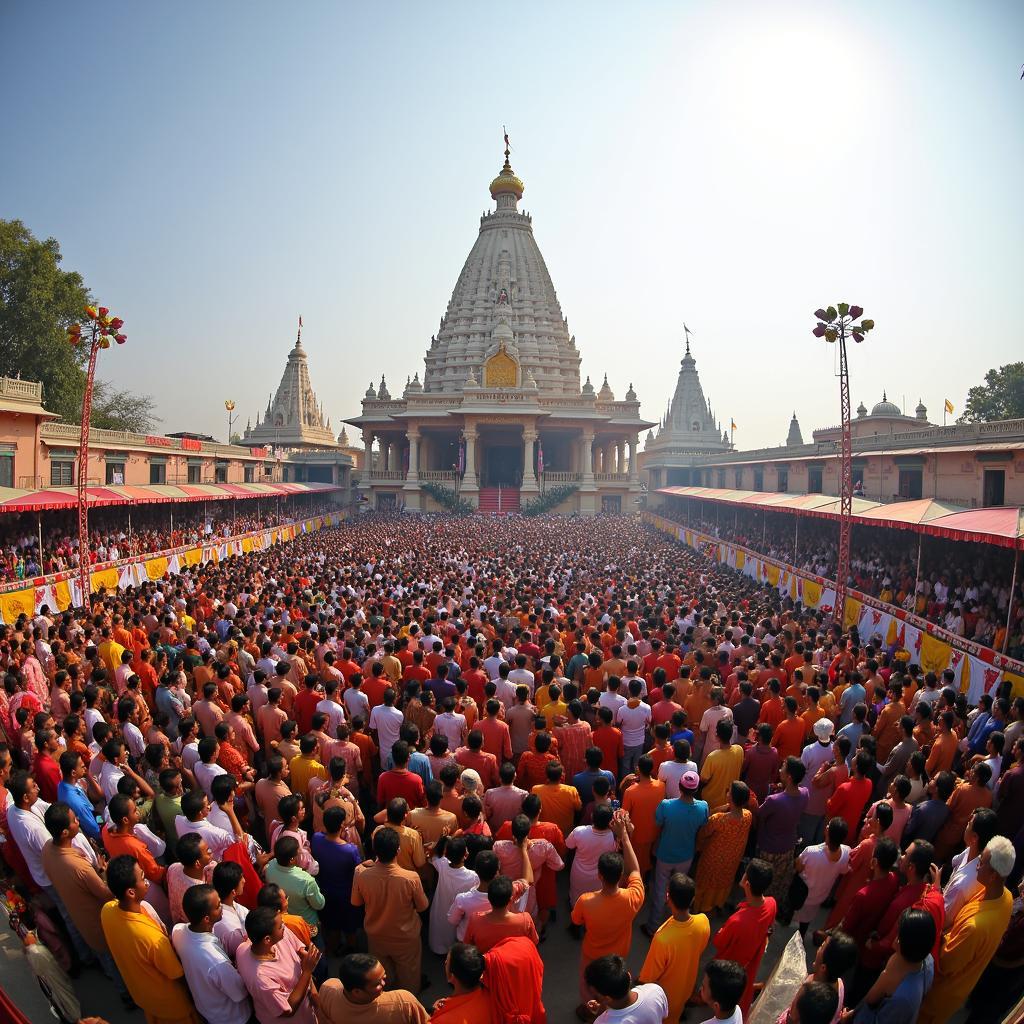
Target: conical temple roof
(294, 417)
(690, 421)
(504, 284)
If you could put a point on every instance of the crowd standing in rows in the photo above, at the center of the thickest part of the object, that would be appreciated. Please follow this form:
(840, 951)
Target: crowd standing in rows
(415, 737)
(963, 587)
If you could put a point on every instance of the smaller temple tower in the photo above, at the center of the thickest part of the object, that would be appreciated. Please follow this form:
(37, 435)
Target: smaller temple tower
(293, 417)
(795, 437)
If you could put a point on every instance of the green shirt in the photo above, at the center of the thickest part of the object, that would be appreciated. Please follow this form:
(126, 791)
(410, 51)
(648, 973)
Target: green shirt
(304, 895)
(167, 808)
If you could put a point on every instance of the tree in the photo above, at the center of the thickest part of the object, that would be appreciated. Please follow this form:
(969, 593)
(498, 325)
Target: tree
(1001, 397)
(38, 302)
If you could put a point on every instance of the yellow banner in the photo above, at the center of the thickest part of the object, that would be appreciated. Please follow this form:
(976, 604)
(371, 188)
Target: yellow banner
(156, 568)
(18, 602)
(193, 556)
(246, 545)
(965, 676)
(890, 636)
(741, 559)
(935, 654)
(63, 592)
(108, 578)
(1016, 681)
(852, 613)
(771, 573)
(812, 593)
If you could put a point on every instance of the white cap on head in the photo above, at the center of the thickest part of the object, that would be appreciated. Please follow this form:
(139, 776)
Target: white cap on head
(823, 729)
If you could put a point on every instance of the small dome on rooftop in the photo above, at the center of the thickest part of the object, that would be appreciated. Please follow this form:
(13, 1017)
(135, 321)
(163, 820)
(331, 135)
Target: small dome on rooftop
(886, 408)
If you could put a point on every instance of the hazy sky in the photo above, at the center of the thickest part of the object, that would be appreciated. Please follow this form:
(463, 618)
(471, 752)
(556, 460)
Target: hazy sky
(213, 170)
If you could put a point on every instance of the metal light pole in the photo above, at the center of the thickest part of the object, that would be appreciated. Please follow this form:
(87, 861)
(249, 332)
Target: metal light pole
(230, 406)
(101, 328)
(837, 323)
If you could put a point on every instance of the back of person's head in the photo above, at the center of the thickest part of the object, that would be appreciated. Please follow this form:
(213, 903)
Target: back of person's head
(836, 831)
(466, 964)
(197, 902)
(816, 1003)
(121, 875)
(286, 849)
(610, 867)
(609, 976)
(603, 814)
(385, 845)
(795, 769)
(759, 875)
(945, 783)
(726, 982)
(187, 849)
(499, 892)
(681, 890)
(355, 969)
(920, 855)
(886, 852)
(486, 865)
(840, 954)
(915, 934)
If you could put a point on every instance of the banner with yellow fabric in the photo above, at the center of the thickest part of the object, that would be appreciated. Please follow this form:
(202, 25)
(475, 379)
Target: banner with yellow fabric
(741, 559)
(15, 603)
(771, 573)
(247, 545)
(108, 578)
(193, 556)
(851, 614)
(63, 595)
(1016, 682)
(156, 568)
(812, 593)
(935, 655)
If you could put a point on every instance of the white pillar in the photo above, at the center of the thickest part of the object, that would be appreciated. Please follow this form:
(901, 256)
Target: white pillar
(469, 478)
(529, 477)
(414, 456)
(587, 457)
(633, 467)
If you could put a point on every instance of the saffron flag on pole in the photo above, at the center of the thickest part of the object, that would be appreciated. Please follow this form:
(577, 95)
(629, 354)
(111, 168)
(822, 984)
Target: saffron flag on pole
(949, 406)
(733, 422)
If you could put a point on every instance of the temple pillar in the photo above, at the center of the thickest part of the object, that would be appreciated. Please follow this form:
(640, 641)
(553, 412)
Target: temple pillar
(469, 479)
(529, 477)
(633, 467)
(364, 476)
(412, 474)
(588, 486)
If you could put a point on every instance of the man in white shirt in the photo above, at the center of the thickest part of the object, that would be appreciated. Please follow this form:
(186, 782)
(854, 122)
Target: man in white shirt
(633, 718)
(386, 723)
(195, 809)
(216, 986)
(330, 707)
(617, 1001)
(451, 725)
(963, 881)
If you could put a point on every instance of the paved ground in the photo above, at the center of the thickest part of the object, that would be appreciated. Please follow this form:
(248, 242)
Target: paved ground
(560, 953)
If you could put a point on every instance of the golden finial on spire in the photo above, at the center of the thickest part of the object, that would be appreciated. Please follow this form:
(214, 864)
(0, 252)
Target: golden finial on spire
(507, 181)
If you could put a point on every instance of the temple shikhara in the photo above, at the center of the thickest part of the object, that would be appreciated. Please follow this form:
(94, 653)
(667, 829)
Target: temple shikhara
(500, 415)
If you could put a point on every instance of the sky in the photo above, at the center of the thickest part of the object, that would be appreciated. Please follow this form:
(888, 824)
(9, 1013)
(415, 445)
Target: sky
(215, 170)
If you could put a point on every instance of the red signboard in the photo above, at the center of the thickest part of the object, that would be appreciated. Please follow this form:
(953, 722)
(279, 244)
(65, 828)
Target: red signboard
(259, 453)
(154, 439)
(190, 444)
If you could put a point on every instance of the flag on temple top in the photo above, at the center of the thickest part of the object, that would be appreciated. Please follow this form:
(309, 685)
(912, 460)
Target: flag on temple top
(540, 457)
(949, 406)
(300, 319)
(733, 422)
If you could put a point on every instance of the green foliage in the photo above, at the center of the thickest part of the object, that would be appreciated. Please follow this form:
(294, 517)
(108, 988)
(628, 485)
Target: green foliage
(448, 499)
(550, 499)
(38, 302)
(1001, 397)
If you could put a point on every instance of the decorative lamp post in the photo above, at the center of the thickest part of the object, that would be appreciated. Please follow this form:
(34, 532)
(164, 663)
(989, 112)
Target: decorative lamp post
(230, 406)
(837, 323)
(100, 329)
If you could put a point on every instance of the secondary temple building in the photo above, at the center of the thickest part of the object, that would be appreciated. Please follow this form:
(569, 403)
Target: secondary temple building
(500, 416)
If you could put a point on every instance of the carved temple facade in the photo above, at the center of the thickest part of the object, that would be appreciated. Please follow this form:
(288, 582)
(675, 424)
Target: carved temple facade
(500, 416)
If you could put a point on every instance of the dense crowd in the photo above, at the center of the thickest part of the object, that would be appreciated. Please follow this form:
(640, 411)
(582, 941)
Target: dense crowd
(276, 787)
(963, 587)
(116, 533)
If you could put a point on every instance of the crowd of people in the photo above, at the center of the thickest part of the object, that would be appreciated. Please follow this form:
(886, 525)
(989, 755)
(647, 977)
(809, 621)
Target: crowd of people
(277, 787)
(962, 587)
(116, 534)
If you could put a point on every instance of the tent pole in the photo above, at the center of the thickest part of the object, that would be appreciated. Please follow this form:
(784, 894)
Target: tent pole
(796, 537)
(764, 528)
(917, 575)
(130, 552)
(39, 523)
(1009, 611)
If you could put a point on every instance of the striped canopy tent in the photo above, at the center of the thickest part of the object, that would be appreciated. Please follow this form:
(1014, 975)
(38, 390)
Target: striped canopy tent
(822, 505)
(907, 514)
(1003, 526)
(15, 499)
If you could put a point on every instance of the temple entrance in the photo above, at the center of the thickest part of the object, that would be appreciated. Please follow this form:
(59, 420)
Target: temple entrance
(502, 465)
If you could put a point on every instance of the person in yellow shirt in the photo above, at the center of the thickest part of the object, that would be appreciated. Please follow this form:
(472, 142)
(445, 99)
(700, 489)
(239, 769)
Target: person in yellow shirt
(110, 651)
(722, 767)
(559, 803)
(555, 706)
(141, 949)
(977, 930)
(304, 766)
(673, 958)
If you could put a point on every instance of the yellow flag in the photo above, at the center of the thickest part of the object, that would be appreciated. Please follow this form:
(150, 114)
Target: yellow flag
(949, 406)
(734, 427)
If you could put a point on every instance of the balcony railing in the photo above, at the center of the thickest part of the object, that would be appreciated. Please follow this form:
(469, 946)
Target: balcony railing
(390, 475)
(11, 387)
(612, 478)
(558, 477)
(437, 475)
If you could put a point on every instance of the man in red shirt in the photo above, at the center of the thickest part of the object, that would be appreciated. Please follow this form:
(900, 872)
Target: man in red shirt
(472, 755)
(45, 769)
(416, 671)
(376, 684)
(476, 680)
(850, 799)
(305, 703)
(497, 739)
(400, 781)
(609, 739)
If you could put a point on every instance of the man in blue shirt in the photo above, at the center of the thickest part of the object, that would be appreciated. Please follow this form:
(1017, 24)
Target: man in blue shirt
(990, 718)
(73, 768)
(679, 820)
(584, 781)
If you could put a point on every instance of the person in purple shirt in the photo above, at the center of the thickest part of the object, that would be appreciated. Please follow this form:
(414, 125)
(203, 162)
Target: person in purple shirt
(761, 764)
(778, 824)
(440, 686)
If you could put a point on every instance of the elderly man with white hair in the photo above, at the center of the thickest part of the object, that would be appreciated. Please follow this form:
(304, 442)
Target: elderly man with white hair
(976, 932)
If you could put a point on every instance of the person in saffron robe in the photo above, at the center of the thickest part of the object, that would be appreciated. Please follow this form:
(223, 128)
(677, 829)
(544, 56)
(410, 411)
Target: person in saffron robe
(470, 1003)
(744, 936)
(977, 931)
(141, 949)
(514, 976)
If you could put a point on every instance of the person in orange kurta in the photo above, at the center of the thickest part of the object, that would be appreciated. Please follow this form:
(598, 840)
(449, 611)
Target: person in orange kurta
(470, 1003)
(640, 801)
(970, 794)
(608, 913)
(141, 949)
(887, 729)
(790, 733)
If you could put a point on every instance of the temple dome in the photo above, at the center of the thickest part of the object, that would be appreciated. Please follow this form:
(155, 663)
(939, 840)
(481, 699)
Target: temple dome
(886, 408)
(507, 181)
